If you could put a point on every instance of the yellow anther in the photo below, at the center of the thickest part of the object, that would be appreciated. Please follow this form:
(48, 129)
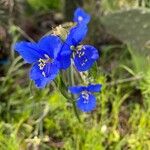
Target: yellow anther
(43, 62)
(85, 95)
(80, 54)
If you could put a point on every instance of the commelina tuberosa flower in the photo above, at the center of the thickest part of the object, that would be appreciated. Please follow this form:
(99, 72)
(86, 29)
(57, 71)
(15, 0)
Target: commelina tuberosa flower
(86, 101)
(44, 57)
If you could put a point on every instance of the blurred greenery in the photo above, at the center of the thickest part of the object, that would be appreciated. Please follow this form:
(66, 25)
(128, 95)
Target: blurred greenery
(45, 4)
(133, 27)
(33, 119)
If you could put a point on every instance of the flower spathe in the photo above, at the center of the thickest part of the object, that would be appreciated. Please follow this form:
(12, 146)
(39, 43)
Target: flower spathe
(43, 55)
(86, 101)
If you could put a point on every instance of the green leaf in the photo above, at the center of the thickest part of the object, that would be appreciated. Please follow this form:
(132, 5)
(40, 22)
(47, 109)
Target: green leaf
(131, 27)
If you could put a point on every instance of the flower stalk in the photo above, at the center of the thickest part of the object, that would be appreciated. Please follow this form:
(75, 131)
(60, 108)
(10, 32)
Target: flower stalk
(71, 81)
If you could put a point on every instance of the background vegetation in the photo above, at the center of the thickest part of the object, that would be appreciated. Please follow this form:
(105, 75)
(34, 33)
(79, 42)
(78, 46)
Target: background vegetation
(32, 119)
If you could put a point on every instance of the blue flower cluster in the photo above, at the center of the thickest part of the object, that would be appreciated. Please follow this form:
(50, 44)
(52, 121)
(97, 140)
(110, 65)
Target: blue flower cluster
(51, 54)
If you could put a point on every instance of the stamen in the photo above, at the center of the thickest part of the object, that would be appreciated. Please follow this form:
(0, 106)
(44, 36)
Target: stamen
(46, 56)
(43, 62)
(84, 62)
(80, 54)
(85, 95)
(43, 73)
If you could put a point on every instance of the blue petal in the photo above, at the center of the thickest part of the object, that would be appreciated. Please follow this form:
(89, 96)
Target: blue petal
(65, 49)
(35, 72)
(80, 16)
(29, 51)
(65, 61)
(86, 105)
(85, 58)
(51, 44)
(39, 79)
(42, 82)
(51, 70)
(94, 87)
(76, 35)
(76, 89)
(64, 56)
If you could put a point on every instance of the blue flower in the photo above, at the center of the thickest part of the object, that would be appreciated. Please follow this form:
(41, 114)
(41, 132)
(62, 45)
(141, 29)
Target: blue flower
(80, 16)
(43, 55)
(75, 36)
(84, 56)
(86, 101)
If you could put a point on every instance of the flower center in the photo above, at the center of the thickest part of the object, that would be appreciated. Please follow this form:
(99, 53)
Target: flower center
(85, 96)
(83, 58)
(80, 53)
(43, 62)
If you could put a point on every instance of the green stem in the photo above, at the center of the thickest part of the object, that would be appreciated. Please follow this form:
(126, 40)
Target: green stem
(71, 97)
(71, 81)
(75, 109)
(71, 76)
(121, 81)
